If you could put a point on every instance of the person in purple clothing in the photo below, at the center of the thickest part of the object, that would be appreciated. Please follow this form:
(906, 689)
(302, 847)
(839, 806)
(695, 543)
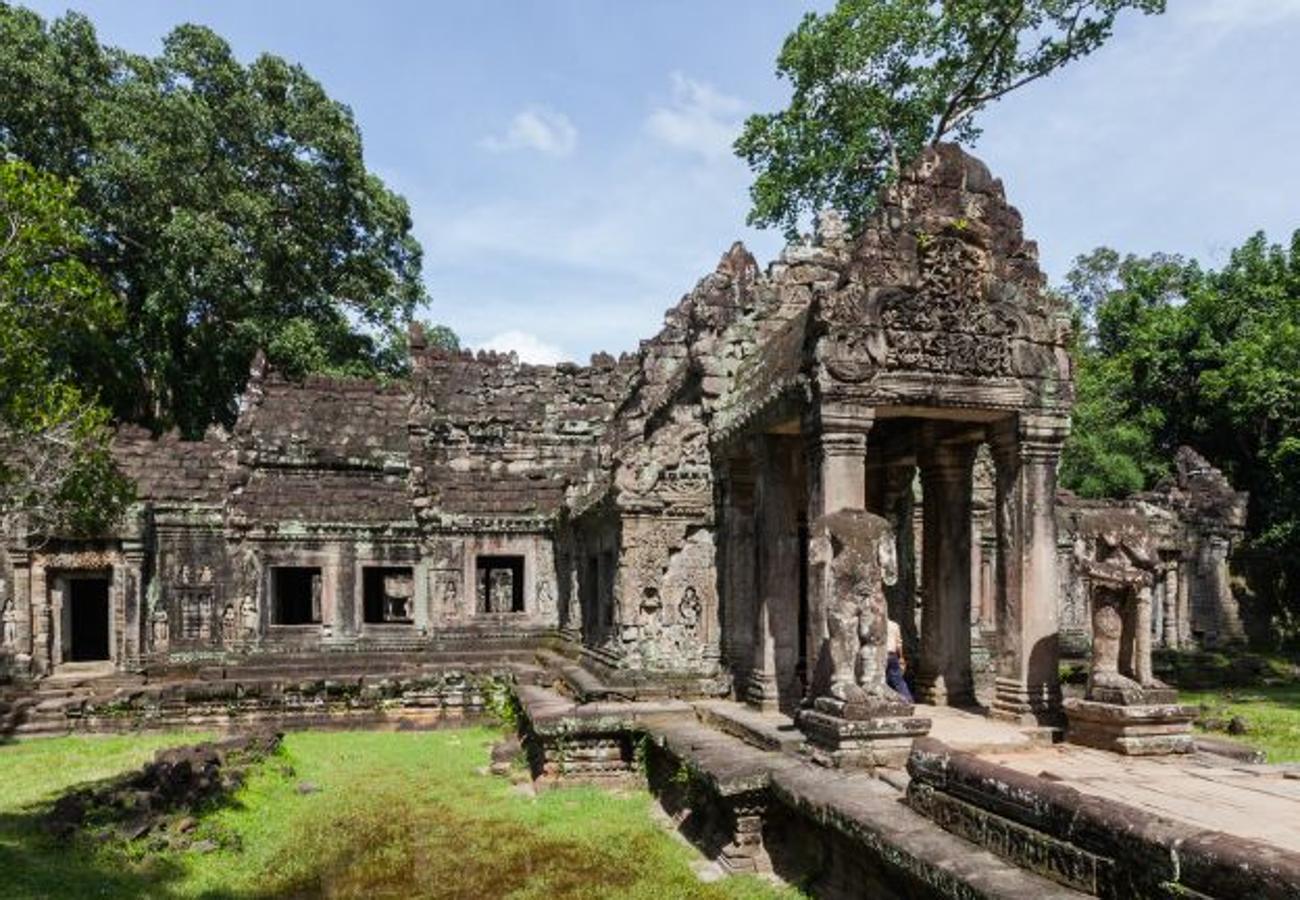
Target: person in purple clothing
(895, 662)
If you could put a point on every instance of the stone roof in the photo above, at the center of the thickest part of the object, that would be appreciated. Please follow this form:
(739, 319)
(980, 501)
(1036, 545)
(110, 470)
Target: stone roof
(168, 469)
(316, 496)
(324, 423)
(493, 436)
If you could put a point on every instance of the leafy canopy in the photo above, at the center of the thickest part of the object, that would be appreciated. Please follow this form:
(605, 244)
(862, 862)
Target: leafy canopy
(228, 205)
(1209, 359)
(874, 81)
(55, 313)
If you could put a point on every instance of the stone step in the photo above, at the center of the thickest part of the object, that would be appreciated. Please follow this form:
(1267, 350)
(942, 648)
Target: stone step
(766, 731)
(865, 810)
(871, 813)
(1233, 750)
(585, 685)
(728, 764)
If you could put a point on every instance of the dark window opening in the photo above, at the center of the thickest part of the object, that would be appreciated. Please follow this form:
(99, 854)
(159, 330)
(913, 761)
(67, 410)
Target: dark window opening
(500, 584)
(388, 594)
(295, 596)
(88, 619)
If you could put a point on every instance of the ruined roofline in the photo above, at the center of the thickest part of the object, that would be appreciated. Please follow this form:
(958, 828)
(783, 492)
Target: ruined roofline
(422, 352)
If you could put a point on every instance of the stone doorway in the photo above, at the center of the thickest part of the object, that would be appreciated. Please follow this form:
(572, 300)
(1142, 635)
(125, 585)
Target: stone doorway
(920, 476)
(86, 623)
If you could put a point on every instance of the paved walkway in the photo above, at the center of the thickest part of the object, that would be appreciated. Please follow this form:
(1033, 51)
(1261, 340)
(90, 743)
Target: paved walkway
(975, 732)
(1259, 802)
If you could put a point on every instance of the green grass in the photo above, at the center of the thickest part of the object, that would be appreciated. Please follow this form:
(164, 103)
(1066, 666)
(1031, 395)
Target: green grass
(396, 815)
(1271, 713)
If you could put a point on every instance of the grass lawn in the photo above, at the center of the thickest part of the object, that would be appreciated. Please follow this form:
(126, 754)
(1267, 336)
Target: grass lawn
(1272, 716)
(393, 815)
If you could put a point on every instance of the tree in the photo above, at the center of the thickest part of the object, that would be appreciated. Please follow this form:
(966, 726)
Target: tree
(1207, 359)
(229, 207)
(874, 81)
(55, 468)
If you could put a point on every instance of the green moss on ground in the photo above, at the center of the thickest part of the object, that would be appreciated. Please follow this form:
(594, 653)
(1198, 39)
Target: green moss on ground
(386, 815)
(1271, 714)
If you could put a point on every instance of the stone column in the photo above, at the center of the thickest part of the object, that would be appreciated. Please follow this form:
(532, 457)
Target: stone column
(736, 566)
(837, 457)
(1184, 618)
(836, 450)
(1158, 610)
(1026, 450)
(1227, 618)
(1170, 602)
(889, 494)
(133, 604)
(1142, 636)
(944, 663)
(776, 540)
(20, 594)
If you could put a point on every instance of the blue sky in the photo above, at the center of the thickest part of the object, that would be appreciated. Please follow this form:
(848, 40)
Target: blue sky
(567, 161)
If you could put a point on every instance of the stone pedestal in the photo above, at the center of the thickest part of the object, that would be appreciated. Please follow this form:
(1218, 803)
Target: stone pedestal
(861, 735)
(1145, 729)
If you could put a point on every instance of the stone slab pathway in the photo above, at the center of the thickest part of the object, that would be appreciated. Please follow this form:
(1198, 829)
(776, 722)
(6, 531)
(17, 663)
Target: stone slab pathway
(1251, 801)
(973, 732)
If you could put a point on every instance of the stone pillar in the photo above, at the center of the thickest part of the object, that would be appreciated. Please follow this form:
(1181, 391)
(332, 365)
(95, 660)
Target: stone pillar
(736, 567)
(892, 499)
(1026, 450)
(836, 450)
(776, 540)
(1170, 603)
(1158, 611)
(20, 594)
(132, 605)
(1227, 616)
(1184, 617)
(943, 675)
(837, 457)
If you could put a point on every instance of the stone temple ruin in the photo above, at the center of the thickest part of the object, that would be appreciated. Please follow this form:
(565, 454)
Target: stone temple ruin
(870, 427)
(654, 510)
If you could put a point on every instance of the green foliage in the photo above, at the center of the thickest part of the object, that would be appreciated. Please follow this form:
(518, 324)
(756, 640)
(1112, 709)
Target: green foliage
(395, 815)
(1122, 304)
(1209, 359)
(1271, 714)
(501, 704)
(228, 205)
(874, 81)
(55, 316)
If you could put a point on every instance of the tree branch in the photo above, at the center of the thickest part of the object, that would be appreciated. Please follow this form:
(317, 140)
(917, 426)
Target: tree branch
(944, 125)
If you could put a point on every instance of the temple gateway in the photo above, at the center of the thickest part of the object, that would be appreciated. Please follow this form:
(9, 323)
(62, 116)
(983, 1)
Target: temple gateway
(649, 518)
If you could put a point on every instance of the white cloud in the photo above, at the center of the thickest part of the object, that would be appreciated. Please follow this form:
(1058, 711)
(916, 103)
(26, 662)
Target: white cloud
(530, 347)
(536, 128)
(698, 119)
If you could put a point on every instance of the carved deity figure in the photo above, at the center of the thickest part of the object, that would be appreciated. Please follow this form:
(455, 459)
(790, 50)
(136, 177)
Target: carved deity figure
(545, 598)
(451, 599)
(159, 627)
(249, 616)
(1122, 570)
(689, 609)
(501, 591)
(9, 625)
(228, 624)
(853, 557)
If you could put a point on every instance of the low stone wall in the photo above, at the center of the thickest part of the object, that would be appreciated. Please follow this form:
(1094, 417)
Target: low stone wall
(838, 835)
(430, 699)
(1094, 845)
